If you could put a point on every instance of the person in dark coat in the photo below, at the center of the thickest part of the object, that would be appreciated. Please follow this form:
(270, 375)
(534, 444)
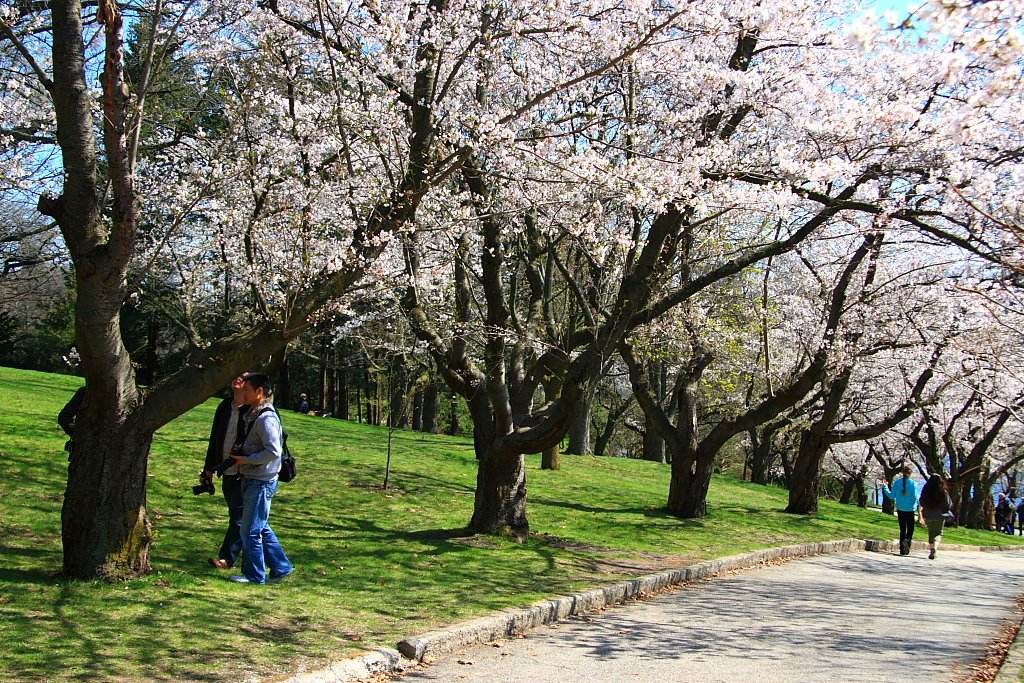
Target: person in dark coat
(1004, 514)
(67, 418)
(935, 507)
(228, 429)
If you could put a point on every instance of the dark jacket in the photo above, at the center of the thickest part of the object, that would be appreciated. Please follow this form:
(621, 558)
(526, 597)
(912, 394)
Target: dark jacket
(215, 452)
(69, 413)
(936, 513)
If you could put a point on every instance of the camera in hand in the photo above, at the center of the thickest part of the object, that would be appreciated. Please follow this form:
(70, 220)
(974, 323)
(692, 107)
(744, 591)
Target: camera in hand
(228, 463)
(204, 487)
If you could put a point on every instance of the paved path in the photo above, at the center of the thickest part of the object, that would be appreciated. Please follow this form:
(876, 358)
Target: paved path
(849, 617)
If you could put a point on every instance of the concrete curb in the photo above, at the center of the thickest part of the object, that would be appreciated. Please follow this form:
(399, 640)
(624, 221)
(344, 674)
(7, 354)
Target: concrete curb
(1013, 665)
(894, 547)
(515, 621)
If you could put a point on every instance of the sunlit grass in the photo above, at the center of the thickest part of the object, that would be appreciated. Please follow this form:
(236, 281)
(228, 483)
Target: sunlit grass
(372, 566)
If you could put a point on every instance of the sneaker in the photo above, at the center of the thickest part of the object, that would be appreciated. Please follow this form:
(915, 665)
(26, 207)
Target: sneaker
(280, 577)
(219, 563)
(931, 555)
(239, 579)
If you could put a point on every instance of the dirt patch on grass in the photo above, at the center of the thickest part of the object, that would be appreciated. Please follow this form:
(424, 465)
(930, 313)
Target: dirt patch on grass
(641, 563)
(601, 562)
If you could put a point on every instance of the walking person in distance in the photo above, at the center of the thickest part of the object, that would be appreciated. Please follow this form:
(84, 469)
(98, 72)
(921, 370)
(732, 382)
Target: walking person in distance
(904, 493)
(259, 461)
(936, 510)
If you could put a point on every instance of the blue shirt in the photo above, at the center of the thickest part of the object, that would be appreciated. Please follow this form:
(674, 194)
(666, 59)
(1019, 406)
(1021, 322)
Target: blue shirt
(906, 501)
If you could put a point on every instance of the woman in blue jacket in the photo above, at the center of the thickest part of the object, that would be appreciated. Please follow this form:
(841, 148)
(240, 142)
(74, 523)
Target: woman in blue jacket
(904, 493)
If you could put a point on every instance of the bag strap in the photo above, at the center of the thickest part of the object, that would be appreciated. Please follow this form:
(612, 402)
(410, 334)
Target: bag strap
(248, 428)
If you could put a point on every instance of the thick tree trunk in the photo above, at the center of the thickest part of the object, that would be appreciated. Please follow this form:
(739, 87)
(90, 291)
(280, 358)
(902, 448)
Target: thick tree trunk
(500, 503)
(805, 479)
(691, 479)
(105, 531)
(653, 444)
(579, 429)
(431, 408)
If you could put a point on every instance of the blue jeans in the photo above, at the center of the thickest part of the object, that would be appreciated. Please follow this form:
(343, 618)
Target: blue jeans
(261, 550)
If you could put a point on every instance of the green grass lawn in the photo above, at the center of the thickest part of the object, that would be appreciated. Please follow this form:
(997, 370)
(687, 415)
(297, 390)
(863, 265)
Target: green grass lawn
(372, 566)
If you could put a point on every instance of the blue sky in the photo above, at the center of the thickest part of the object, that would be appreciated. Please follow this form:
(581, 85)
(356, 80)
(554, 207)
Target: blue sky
(897, 6)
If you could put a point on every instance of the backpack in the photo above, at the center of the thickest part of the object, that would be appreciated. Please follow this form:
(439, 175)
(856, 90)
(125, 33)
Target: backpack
(288, 470)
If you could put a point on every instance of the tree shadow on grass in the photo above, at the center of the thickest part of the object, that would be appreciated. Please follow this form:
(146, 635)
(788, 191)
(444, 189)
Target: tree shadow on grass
(23, 577)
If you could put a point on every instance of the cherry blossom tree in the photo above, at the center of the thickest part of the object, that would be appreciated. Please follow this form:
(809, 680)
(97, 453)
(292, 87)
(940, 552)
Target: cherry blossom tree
(332, 126)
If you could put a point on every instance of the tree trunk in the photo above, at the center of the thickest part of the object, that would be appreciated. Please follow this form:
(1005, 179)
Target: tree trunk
(149, 368)
(862, 493)
(359, 402)
(888, 505)
(604, 437)
(343, 410)
(653, 444)
(978, 511)
(417, 410)
(691, 479)
(761, 441)
(805, 479)
(373, 406)
(431, 408)
(849, 489)
(579, 429)
(105, 531)
(398, 394)
(330, 404)
(550, 458)
(500, 503)
(453, 417)
(325, 357)
(284, 387)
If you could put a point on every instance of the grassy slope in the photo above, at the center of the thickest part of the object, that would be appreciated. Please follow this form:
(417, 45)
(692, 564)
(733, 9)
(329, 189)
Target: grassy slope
(372, 566)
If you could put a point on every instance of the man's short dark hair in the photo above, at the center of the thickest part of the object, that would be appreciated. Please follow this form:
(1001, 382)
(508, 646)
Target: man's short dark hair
(259, 381)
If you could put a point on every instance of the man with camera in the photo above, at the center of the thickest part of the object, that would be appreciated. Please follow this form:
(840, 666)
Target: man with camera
(228, 429)
(259, 460)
